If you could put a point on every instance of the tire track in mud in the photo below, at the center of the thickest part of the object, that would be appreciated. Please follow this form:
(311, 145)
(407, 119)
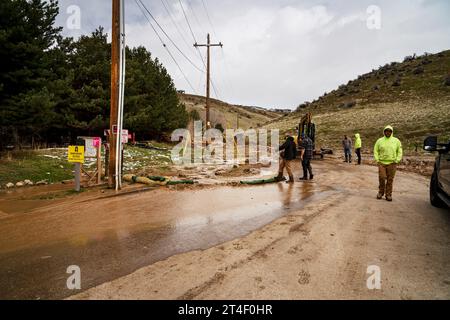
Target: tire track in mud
(295, 226)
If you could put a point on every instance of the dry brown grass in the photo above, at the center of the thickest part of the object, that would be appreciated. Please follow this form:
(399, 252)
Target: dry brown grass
(412, 122)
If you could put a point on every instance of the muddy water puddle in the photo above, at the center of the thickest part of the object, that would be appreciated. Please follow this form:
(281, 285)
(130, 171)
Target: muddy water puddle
(109, 238)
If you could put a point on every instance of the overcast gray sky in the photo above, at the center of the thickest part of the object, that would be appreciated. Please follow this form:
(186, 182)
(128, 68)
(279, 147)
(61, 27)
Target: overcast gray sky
(276, 53)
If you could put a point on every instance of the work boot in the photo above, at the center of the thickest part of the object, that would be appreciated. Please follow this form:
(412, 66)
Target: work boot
(379, 196)
(311, 177)
(389, 198)
(303, 178)
(291, 179)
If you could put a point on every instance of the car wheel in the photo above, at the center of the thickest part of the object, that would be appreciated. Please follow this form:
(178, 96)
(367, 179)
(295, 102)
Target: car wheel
(434, 198)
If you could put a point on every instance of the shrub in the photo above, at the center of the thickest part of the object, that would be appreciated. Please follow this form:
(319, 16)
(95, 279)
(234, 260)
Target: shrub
(397, 83)
(447, 80)
(418, 70)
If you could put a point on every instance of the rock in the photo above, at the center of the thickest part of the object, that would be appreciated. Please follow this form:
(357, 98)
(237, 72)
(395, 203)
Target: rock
(28, 182)
(42, 182)
(20, 184)
(182, 175)
(397, 83)
(447, 81)
(10, 185)
(418, 70)
(220, 172)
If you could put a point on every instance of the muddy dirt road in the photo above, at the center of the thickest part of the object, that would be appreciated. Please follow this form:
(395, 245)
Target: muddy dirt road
(309, 240)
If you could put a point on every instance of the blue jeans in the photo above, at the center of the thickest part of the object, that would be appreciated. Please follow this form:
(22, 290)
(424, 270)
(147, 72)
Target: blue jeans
(306, 165)
(348, 155)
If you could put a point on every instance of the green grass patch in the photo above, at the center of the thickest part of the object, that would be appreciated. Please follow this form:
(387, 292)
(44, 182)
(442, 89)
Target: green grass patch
(35, 166)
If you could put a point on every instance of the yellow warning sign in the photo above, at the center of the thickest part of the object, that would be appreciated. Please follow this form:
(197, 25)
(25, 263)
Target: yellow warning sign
(76, 154)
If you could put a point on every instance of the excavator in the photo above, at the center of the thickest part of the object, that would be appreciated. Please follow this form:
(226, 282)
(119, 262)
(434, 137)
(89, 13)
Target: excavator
(307, 127)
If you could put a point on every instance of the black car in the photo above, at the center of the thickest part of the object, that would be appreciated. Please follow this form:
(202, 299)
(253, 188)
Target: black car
(440, 180)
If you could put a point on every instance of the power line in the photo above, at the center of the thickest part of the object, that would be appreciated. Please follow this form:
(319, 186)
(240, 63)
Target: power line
(187, 20)
(209, 18)
(195, 40)
(193, 13)
(164, 45)
(216, 91)
(208, 46)
(228, 81)
(166, 7)
(170, 39)
(214, 32)
(227, 75)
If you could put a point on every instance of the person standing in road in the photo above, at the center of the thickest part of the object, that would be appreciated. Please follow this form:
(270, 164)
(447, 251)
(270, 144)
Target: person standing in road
(306, 156)
(347, 145)
(358, 146)
(288, 154)
(387, 153)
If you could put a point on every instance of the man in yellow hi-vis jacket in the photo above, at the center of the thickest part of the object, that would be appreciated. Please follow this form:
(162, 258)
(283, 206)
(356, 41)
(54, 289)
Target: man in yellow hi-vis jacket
(387, 153)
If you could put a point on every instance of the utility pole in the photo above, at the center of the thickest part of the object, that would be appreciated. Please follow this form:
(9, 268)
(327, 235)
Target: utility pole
(113, 123)
(208, 81)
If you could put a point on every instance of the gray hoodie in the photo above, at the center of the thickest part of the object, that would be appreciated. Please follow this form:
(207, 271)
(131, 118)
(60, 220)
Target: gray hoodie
(347, 143)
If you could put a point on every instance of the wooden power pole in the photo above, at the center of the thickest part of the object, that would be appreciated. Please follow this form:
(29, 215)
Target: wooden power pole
(208, 81)
(113, 126)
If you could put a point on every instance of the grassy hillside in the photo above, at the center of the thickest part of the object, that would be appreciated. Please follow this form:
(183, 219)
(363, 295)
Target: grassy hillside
(413, 96)
(227, 114)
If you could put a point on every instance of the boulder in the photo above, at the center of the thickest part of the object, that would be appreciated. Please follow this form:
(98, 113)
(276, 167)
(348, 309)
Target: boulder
(10, 185)
(28, 182)
(418, 70)
(447, 80)
(20, 184)
(397, 83)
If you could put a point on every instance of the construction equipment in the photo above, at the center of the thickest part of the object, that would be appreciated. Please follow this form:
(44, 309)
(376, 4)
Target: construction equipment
(308, 128)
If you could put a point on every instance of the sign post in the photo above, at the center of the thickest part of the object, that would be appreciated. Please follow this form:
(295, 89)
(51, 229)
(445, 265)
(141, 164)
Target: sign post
(77, 176)
(76, 156)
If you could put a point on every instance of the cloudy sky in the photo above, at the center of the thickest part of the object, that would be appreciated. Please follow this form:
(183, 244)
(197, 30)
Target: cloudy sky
(276, 53)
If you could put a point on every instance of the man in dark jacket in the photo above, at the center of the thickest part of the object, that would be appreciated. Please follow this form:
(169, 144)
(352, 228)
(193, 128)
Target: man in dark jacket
(306, 156)
(288, 154)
